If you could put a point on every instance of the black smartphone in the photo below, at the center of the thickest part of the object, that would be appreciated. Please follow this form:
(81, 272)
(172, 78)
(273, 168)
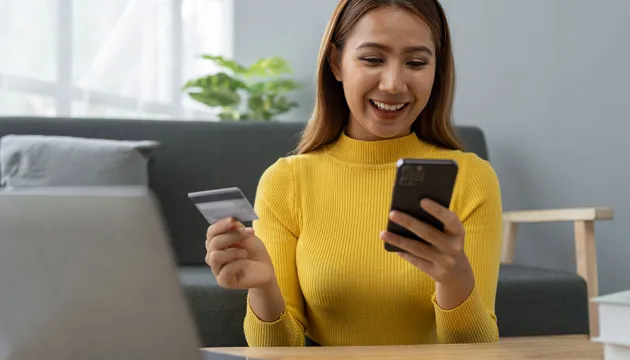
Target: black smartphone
(417, 179)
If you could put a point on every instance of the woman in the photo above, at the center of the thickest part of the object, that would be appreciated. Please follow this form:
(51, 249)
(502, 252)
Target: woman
(314, 262)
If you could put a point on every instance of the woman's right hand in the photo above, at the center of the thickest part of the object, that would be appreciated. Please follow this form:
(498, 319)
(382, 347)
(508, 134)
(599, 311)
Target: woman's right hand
(239, 260)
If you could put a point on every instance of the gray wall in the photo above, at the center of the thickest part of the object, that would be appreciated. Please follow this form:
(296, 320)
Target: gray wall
(548, 82)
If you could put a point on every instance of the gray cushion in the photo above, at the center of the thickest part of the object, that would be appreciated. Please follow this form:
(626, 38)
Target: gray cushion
(536, 301)
(36, 160)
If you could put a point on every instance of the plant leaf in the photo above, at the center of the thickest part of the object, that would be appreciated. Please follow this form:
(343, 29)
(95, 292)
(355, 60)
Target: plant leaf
(223, 62)
(256, 103)
(282, 85)
(281, 105)
(216, 81)
(273, 86)
(229, 114)
(272, 66)
(216, 90)
(216, 98)
(257, 107)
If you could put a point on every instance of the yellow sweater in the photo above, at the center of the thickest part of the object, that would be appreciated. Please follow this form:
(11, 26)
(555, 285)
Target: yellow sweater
(320, 218)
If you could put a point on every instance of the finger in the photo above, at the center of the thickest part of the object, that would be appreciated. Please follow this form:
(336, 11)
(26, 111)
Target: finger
(219, 258)
(422, 264)
(222, 226)
(229, 239)
(451, 222)
(231, 274)
(413, 247)
(421, 229)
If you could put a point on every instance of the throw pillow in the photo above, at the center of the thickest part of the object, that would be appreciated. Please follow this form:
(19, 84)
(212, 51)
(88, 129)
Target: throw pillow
(39, 160)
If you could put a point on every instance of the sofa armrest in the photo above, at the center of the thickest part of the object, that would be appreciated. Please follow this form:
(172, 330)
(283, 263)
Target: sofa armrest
(585, 250)
(558, 215)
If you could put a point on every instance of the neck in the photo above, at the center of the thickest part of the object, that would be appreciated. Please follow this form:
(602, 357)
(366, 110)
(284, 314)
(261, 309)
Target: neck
(355, 130)
(377, 152)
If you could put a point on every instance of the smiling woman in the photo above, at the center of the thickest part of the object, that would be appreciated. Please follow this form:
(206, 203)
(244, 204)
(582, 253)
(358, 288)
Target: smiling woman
(315, 261)
(396, 80)
(395, 57)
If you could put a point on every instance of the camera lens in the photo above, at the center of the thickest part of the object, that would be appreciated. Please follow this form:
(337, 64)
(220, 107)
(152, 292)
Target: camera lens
(407, 169)
(404, 181)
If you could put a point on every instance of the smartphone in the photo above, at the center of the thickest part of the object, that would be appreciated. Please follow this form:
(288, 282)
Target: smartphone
(417, 179)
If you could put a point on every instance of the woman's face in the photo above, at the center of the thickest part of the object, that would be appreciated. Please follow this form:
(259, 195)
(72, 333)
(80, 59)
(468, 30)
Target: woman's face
(387, 68)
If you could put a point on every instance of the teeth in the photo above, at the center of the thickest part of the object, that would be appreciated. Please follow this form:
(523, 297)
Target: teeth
(388, 107)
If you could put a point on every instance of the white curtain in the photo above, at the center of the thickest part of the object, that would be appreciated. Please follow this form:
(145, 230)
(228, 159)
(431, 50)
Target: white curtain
(108, 58)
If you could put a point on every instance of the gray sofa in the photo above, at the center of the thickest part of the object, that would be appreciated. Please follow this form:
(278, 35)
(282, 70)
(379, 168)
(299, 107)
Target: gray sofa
(197, 156)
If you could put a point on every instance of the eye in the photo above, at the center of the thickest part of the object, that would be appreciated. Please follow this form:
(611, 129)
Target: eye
(371, 60)
(416, 63)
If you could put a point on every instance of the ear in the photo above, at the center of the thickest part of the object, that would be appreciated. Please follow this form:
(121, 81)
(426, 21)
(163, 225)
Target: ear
(334, 59)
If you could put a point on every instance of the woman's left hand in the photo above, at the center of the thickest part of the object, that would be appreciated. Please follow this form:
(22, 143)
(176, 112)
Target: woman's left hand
(444, 260)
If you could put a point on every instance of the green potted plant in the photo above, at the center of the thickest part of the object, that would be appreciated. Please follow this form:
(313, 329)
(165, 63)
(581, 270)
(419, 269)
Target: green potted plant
(261, 87)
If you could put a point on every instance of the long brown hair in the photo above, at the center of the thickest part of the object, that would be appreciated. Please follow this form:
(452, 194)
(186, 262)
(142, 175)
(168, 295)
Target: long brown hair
(331, 112)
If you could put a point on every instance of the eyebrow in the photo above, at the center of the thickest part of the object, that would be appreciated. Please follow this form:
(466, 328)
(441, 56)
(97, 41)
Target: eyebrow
(419, 48)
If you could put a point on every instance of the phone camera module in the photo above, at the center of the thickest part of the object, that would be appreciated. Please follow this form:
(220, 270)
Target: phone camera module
(418, 175)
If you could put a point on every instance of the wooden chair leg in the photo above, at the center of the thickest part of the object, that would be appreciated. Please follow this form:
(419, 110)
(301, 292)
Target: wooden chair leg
(586, 260)
(509, 242)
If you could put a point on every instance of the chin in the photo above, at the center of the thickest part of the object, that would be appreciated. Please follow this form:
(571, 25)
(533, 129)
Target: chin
(385, 130)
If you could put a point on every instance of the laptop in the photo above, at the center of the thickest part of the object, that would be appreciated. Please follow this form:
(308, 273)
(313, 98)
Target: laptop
(88, 273)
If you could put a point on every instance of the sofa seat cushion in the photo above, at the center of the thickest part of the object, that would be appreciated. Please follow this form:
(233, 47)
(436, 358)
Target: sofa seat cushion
(218, 312)
(530, 301)
(539, 301)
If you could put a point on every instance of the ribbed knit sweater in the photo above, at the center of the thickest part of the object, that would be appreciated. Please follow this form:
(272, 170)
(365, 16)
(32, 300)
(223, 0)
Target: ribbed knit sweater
(320, 215)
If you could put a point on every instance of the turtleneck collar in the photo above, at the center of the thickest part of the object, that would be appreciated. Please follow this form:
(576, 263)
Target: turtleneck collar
(377, 152)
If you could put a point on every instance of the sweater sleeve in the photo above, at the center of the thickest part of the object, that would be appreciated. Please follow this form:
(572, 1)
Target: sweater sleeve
(278, 228)
(480, 211)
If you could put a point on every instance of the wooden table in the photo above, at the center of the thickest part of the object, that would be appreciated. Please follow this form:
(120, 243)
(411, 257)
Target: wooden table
(539, 348)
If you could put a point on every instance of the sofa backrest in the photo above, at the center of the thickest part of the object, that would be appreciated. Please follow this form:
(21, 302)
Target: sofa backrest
(195, 156)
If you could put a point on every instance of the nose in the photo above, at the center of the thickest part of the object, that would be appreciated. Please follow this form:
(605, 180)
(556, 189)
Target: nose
(393, 80)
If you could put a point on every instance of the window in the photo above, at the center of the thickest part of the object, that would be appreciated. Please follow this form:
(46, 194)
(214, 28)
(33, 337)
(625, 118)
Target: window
(114, 58)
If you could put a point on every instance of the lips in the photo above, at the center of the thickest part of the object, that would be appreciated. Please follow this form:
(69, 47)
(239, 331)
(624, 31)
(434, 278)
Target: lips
(391, 107)
(388, 111)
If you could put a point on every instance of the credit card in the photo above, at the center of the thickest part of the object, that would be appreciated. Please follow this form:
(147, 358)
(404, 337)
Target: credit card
(218, 204)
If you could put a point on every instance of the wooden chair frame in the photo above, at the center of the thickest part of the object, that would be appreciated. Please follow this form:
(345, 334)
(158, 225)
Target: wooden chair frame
(585, 250)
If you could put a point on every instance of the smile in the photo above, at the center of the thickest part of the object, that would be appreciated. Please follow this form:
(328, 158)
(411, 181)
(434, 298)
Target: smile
(388, 107)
